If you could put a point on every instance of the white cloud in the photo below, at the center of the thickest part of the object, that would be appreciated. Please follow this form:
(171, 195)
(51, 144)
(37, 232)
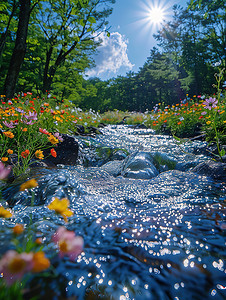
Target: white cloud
(112, 56)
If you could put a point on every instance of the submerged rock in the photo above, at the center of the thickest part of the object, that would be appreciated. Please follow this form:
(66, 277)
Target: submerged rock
(139, 165)
(213, 169)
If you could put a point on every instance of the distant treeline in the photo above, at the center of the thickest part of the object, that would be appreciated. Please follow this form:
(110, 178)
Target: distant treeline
(59, 48)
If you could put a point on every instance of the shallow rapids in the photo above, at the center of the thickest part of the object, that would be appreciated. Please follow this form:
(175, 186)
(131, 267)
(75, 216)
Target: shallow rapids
(161, 237)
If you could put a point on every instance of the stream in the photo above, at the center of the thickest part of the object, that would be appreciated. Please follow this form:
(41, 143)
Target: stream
(152, 228)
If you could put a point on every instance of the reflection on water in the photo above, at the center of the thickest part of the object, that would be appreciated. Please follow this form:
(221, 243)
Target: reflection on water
(162, 238)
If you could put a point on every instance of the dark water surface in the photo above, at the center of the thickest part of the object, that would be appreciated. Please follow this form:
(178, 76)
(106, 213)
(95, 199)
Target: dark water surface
(158, 238)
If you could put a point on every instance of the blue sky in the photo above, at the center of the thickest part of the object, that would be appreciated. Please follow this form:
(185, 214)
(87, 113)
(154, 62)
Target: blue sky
(131, 37)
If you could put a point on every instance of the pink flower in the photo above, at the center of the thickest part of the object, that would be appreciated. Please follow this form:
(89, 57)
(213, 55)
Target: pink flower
(203, 113)
(9, 125)
(69, 244)
(4, 172)
(57, 135)
(210, 103)
(31, 116)
(14, 265)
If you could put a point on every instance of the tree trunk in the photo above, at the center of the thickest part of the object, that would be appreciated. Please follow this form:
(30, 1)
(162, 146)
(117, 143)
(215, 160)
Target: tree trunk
(5, 33)
(19, 51)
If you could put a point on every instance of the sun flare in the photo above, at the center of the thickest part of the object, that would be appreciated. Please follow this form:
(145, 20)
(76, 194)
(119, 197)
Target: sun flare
(153, 14)
(156, 15)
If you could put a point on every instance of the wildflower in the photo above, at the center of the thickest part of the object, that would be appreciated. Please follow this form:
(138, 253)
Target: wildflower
(24, 129)
(69, 244)
(208, 122)
(14, 265)
(203, 113)
(8, 134)
(18, 229)
(40, 262)
(179, 123)
(224, 122)
(57, 135)
(5, 213)
(53, 152)
(9, 125)
(210, 103)
(61, 207)
(28, 185)
(53, 140)
(9, 151)
(38, 241)
(39, 154)
(4, 159)
(31, 116)
(25, 153)
(44, 131)
(200, 117)
(29, 123)
(4, 172)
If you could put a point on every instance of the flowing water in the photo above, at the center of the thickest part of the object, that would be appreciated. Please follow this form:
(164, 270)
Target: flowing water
(150, 235)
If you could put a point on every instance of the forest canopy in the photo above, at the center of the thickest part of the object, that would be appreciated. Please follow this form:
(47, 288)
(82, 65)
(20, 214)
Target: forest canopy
(48, 45)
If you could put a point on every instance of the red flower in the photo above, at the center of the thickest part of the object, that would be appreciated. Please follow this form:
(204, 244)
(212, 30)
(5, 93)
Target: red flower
(25, 153)
(53, 152)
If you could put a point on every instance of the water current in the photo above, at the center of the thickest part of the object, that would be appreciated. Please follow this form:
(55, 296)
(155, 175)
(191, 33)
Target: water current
(145, 237)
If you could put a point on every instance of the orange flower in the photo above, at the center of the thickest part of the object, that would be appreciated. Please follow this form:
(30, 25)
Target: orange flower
(53, 140)
(10, 151)
(53, 152)
(25, 153)
(39, 154)
(18, 229)
(179, 123)
(9, 134)
(24, 130)
(40, 262)
(38, 241)
(4, 159)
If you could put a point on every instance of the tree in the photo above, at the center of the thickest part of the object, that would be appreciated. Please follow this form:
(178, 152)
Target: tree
(19, 51)
(67, 27)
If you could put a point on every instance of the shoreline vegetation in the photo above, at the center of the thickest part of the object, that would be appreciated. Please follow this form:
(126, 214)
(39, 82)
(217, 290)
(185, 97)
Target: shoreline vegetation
(29, 125)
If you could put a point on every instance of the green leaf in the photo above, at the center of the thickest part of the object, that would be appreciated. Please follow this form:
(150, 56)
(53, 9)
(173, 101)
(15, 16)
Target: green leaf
(91, 20)
(222, 152)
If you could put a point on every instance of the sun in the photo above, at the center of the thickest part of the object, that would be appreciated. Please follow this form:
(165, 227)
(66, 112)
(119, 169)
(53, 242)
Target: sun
(153, 14)
(156, 15)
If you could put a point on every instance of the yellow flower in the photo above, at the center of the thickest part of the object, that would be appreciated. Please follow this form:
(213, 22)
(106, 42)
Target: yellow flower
(8, 134)
(28, 185)
(224, 122)
(4, 159)
(53, 140)
(39, 154)
(61, 207)
(5, 213)
(208, 122)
